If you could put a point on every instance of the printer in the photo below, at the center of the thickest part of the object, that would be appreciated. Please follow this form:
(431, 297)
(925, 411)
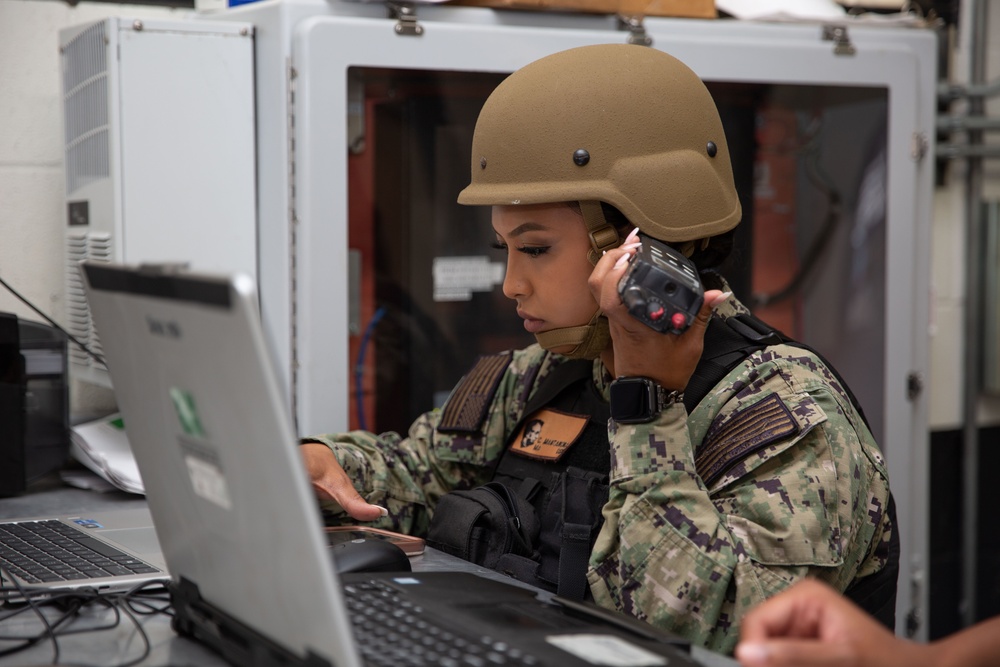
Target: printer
(34, 402)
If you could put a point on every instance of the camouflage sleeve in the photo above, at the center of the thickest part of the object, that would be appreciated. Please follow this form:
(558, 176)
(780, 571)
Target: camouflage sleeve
(785, 482)
(408, 475)
(402, 474)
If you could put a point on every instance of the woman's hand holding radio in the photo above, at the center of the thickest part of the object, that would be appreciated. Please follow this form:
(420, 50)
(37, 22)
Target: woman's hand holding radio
(635, 343)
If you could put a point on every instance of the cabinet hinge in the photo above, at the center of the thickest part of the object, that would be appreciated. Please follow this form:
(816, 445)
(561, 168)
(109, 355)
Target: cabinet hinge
(841, 40)
(406, 19)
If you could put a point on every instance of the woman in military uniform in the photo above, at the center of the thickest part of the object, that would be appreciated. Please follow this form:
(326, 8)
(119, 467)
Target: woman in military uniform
(690, 504)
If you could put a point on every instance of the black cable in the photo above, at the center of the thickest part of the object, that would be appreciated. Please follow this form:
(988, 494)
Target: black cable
(145, 599)
(147, 645)
(79, 601)
(143, 607)
(98, 358)
(118, 604)
(52, 628)
(29, 599)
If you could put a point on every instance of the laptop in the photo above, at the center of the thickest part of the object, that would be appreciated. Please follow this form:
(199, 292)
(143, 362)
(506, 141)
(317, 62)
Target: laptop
(107, 551)
(240, 527)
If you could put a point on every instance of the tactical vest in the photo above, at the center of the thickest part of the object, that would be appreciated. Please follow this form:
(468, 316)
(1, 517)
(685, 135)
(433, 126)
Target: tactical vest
(537, 519)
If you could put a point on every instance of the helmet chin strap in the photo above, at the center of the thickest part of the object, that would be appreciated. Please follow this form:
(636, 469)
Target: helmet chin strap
(588, 340)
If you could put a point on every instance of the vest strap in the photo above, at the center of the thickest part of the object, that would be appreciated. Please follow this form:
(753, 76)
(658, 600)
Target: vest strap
(573, 560)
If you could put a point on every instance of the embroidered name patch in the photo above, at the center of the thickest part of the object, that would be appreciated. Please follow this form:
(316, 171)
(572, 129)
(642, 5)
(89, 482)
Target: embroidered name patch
(744, 432)
(470, 401)
(547, 434)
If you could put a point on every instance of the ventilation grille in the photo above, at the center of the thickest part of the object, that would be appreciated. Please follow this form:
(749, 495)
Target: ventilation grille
(85, 101)
(81, 246)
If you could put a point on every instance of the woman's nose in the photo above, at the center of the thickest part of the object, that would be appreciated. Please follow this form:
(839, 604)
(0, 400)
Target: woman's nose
(513, 285)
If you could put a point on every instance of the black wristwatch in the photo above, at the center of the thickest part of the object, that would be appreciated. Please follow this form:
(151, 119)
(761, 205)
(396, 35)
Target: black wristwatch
(637, 400)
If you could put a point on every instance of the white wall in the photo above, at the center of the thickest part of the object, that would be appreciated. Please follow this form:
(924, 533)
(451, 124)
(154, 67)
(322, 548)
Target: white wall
(32, 212)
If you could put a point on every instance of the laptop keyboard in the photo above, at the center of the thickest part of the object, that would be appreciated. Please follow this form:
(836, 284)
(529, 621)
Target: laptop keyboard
(392, 631)
(47, 551)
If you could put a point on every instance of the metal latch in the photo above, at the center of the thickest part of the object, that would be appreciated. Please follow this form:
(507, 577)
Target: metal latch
(918, 146)
(406, 19)
(636, 30)
(841, 40)
(914, 385)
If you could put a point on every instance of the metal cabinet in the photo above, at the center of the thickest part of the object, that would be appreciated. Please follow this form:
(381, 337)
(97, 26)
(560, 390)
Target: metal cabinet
(364, 120)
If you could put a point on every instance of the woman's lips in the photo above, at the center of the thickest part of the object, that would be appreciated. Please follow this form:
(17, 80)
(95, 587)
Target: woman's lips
(531, 325)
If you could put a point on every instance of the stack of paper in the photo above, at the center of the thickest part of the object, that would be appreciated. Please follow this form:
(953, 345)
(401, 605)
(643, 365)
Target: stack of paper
(102, 446)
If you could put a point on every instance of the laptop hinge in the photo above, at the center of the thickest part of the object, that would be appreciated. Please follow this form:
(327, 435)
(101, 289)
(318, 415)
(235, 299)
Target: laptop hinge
(198, 619)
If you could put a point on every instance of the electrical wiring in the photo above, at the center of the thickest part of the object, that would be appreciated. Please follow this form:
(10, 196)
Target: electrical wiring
(359, 367)
(146, 599)
(49, 633)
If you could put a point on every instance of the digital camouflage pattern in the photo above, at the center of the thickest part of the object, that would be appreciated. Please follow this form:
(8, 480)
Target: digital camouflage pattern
(798, 489)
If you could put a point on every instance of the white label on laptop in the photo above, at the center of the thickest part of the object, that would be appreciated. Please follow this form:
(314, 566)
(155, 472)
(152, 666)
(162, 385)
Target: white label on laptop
(205, 470)
(606, 650)
(208, 481)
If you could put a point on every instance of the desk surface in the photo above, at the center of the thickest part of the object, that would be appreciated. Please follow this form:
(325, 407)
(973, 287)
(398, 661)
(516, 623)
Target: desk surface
(124, 643)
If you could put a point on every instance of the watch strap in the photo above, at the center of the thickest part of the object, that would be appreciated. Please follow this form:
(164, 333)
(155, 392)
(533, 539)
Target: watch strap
(624, 411)
(665, 398)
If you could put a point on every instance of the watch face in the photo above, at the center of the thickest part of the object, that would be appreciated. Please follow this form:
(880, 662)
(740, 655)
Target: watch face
(632, 400)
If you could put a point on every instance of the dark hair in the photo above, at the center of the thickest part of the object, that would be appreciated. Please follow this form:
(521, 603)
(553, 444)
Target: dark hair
(718, 248)
(716, 252)
(709, 257)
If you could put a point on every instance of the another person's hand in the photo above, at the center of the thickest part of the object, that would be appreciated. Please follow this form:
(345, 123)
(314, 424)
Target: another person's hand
(331, 482)
(634, 342)
(811, 625)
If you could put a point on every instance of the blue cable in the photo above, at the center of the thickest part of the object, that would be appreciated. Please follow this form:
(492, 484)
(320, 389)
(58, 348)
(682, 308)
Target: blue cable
(359, 367)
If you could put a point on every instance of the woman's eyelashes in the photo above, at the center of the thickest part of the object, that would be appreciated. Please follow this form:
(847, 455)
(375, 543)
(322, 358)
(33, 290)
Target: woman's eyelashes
(534, 250)
(530, 250)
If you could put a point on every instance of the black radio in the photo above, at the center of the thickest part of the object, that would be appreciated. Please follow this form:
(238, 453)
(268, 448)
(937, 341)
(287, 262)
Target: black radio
(661, 287)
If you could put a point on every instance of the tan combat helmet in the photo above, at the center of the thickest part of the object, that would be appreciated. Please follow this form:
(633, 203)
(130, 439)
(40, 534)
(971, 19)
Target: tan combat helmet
(622, 124)
(616, 123)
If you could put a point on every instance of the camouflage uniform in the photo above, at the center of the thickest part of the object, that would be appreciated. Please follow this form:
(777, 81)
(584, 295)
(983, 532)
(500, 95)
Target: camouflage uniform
(771, 478)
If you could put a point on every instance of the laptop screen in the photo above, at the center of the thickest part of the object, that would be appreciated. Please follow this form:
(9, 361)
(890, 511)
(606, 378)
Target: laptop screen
(212, 437)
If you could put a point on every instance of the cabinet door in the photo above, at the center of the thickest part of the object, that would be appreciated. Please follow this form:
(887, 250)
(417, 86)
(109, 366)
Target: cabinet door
(828, 141)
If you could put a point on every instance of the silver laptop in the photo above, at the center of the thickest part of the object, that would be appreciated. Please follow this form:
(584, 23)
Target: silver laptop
(108, 551)
(239, 524)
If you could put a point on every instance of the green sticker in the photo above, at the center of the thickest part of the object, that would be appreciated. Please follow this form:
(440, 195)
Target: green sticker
(186, 412)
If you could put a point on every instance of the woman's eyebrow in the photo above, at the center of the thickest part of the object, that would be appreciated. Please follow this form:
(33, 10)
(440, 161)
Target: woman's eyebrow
(525, 227)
